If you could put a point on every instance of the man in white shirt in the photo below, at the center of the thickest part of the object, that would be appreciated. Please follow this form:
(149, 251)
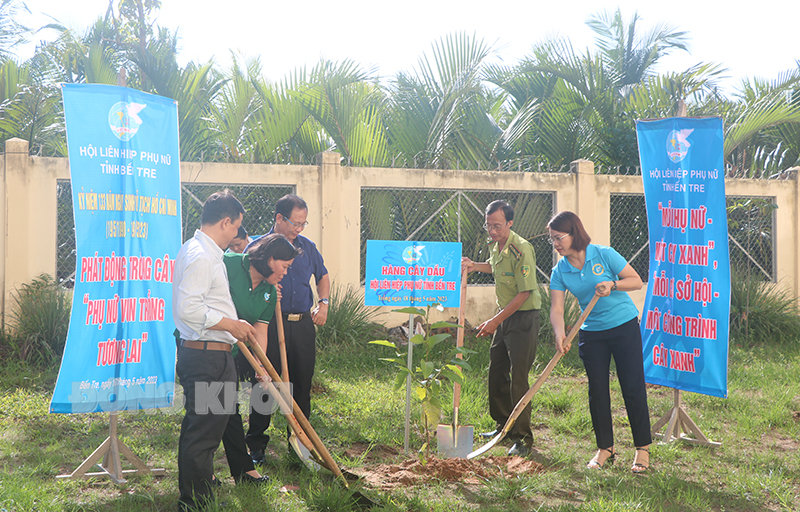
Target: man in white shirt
(208, 324)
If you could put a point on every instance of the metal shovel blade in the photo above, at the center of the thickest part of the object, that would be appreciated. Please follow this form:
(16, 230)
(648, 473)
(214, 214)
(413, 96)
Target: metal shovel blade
(454, 443)
(303, 453)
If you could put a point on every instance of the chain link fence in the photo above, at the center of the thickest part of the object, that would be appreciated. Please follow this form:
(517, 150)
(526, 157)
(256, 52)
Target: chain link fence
(750, 234)
(629, 231)
(751, 237)
(447, 215)
(258, 200)
(65, 235)
(454, 216)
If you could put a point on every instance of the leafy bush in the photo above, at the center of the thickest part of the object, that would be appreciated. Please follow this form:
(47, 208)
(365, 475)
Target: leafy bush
(349, 320)
(762, 312)
(39, 321)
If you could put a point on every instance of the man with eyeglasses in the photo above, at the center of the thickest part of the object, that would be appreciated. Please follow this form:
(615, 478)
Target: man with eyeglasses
(515, 326)
(300, 314)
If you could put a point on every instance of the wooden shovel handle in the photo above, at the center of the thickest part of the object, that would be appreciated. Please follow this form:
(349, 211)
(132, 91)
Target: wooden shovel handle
(527, 397)
(460, 340)
(305, 426)
(273, 391)
(282, 342)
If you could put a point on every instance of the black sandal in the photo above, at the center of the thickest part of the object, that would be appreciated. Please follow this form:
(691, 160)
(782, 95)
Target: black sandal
(596, 464)
(639, 467)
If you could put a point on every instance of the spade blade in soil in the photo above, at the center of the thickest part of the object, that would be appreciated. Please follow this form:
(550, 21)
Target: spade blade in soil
(454, 443)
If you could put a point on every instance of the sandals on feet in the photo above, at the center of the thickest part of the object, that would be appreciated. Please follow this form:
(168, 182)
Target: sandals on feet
(595, 462)
(641, 467)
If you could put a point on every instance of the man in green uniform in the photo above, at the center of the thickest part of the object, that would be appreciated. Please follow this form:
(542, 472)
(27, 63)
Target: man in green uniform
(515, 326)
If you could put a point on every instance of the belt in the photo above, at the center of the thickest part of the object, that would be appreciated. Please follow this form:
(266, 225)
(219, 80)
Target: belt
(207, 345)
(294, 317)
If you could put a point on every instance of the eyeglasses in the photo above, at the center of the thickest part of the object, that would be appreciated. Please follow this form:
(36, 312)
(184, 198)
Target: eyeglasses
(301, 226)
(494, 227)
(554, 239)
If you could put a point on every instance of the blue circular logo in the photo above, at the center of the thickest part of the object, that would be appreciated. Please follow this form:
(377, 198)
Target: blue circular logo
(124, 120)
(412, 253)
(678, 145)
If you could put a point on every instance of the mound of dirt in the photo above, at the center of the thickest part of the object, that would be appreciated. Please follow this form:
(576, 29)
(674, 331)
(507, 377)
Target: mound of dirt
(414, 472)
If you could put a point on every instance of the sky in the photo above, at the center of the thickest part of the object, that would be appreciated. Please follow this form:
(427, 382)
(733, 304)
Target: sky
(756, 40)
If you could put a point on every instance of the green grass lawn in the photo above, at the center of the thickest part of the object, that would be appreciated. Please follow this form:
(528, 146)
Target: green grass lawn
(756, 468)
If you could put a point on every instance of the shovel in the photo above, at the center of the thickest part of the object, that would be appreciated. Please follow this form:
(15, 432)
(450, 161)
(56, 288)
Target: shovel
(299, 449)
(527, 397)
(297, 420)
(453, 440)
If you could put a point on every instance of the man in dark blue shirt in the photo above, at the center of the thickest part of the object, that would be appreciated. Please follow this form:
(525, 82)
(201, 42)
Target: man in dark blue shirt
(300, 314)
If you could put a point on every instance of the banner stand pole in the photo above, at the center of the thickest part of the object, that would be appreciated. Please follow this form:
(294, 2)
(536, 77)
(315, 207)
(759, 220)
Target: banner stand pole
(679, 424)
(110, 450)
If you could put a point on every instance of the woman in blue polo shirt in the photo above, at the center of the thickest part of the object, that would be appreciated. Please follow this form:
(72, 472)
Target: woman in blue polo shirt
(612, 328)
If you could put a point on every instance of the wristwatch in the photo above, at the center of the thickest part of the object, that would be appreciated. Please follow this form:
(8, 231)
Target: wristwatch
(324, 301)
(614, 287)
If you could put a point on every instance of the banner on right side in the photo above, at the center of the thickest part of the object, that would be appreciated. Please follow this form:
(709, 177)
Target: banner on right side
(686, 311)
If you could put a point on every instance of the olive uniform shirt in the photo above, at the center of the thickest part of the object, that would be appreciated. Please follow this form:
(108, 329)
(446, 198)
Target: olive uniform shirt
(514, 270)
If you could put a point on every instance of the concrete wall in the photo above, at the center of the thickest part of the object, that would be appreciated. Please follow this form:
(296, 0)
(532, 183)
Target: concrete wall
(333, 192)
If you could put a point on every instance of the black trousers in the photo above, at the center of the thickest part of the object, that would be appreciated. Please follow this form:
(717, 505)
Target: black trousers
(512, 353)
(209, 385)
(301, 357)
(625, 344)
(233, 440)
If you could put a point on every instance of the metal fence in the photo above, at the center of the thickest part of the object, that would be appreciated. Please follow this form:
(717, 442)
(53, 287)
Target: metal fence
(458, 216)
(629, 231)
(65, 235)
(454, 216)
(751, 234)
(751, 237)
(258, 200)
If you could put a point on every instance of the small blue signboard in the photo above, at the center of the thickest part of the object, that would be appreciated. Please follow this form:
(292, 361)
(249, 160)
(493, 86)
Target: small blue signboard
(406, 273)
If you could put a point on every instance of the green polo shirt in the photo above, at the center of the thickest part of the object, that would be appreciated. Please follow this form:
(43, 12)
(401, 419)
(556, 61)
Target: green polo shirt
(514, 271)
(252, 305)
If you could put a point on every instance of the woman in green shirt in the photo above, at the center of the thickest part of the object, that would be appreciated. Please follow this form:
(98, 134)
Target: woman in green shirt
(252, 276)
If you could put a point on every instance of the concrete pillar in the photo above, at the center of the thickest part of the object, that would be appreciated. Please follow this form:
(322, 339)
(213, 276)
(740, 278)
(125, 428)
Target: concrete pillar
(341, 219)
(29, 220)
(586, 195)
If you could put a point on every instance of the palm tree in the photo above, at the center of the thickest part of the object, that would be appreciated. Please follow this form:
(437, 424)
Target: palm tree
(438, 116)
(12, 32)
(628, 54)
(349, 107)
(762, 126)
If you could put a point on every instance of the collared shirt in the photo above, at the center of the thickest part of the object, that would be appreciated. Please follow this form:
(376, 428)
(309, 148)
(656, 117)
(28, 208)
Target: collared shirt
(602, 264)
(514, 270)
(200, 294)
(296, 293)
(253, 305)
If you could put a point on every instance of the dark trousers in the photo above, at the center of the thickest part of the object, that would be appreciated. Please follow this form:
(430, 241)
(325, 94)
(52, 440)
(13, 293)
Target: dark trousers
(625, 344)
(207, 415)
(301, 358)
(239, 461)
(512, 353)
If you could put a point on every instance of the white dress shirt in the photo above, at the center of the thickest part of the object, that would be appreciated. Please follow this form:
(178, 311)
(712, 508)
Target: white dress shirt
(201, 297)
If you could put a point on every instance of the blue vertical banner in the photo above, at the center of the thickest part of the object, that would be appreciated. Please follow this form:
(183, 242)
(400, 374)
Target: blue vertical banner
(125, 168)
(686, 312)
(401, 273)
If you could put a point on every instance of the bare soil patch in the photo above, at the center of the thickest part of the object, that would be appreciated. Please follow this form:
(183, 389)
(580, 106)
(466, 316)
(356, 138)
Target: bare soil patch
(411, 472)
